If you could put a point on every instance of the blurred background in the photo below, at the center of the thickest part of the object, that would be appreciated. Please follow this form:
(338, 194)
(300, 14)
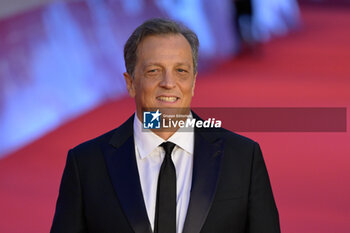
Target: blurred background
(61, 83)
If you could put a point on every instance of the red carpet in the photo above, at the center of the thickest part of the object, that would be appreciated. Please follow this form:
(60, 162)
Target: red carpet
(309, 171)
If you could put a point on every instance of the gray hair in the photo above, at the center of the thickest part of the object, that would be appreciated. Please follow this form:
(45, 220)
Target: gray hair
(157, 26)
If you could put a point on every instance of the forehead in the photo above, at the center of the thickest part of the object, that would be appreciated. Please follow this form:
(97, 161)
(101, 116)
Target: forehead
(164, 48)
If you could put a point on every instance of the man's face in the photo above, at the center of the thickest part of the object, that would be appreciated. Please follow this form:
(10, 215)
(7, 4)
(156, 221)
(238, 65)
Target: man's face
(163, 75)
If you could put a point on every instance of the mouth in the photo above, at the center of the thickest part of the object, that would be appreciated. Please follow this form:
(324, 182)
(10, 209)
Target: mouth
(167, 99)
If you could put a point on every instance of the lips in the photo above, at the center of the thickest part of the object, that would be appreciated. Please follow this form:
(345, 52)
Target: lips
(167, 99)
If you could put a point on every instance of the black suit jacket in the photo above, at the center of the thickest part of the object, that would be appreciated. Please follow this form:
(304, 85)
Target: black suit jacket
(100, 190)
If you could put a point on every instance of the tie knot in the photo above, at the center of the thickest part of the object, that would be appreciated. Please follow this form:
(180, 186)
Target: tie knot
(168, 147)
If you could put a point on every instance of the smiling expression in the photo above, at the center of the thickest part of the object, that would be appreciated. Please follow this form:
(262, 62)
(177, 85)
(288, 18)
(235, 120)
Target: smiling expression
(164, 74)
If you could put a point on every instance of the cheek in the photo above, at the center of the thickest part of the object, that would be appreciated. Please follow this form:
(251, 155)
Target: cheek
(188, 89)
(147, 90)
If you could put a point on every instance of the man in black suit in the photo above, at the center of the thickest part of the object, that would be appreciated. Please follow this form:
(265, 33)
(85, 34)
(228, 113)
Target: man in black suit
(165, 181)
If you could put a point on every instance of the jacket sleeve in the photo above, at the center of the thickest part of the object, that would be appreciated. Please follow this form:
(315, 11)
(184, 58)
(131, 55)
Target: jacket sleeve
(69, 217)
(262, 210)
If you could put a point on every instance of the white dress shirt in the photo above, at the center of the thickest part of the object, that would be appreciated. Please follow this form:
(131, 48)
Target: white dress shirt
(149, 157)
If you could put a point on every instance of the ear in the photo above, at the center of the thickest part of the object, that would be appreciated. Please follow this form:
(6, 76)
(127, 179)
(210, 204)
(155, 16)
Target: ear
(129, 84)
(194, 83)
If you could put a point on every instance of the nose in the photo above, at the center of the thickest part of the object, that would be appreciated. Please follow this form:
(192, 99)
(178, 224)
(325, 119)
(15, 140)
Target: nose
(168, 80)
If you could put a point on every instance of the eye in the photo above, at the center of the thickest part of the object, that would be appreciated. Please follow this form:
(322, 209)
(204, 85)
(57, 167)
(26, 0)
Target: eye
(181, 70)
(152, 71)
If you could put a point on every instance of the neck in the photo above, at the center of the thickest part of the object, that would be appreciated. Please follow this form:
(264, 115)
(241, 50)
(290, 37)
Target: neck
(164, 135)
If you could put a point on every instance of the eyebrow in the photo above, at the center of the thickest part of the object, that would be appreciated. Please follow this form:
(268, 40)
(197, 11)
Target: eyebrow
(160, 64)
(183, 64)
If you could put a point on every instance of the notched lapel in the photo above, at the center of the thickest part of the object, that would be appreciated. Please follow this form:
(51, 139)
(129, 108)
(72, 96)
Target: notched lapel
(206, 170)
(122, 168)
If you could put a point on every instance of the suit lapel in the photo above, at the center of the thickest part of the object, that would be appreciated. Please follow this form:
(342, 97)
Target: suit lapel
(206, 169)
(122, 167)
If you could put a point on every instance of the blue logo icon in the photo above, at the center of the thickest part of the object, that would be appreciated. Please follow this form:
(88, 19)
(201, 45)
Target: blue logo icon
(151, 120)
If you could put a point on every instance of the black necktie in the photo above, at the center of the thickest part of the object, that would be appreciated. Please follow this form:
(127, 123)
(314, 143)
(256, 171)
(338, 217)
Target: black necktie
(165, 218)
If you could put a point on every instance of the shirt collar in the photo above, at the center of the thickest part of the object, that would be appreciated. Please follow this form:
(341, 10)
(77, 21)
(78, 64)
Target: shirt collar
(146, 141)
